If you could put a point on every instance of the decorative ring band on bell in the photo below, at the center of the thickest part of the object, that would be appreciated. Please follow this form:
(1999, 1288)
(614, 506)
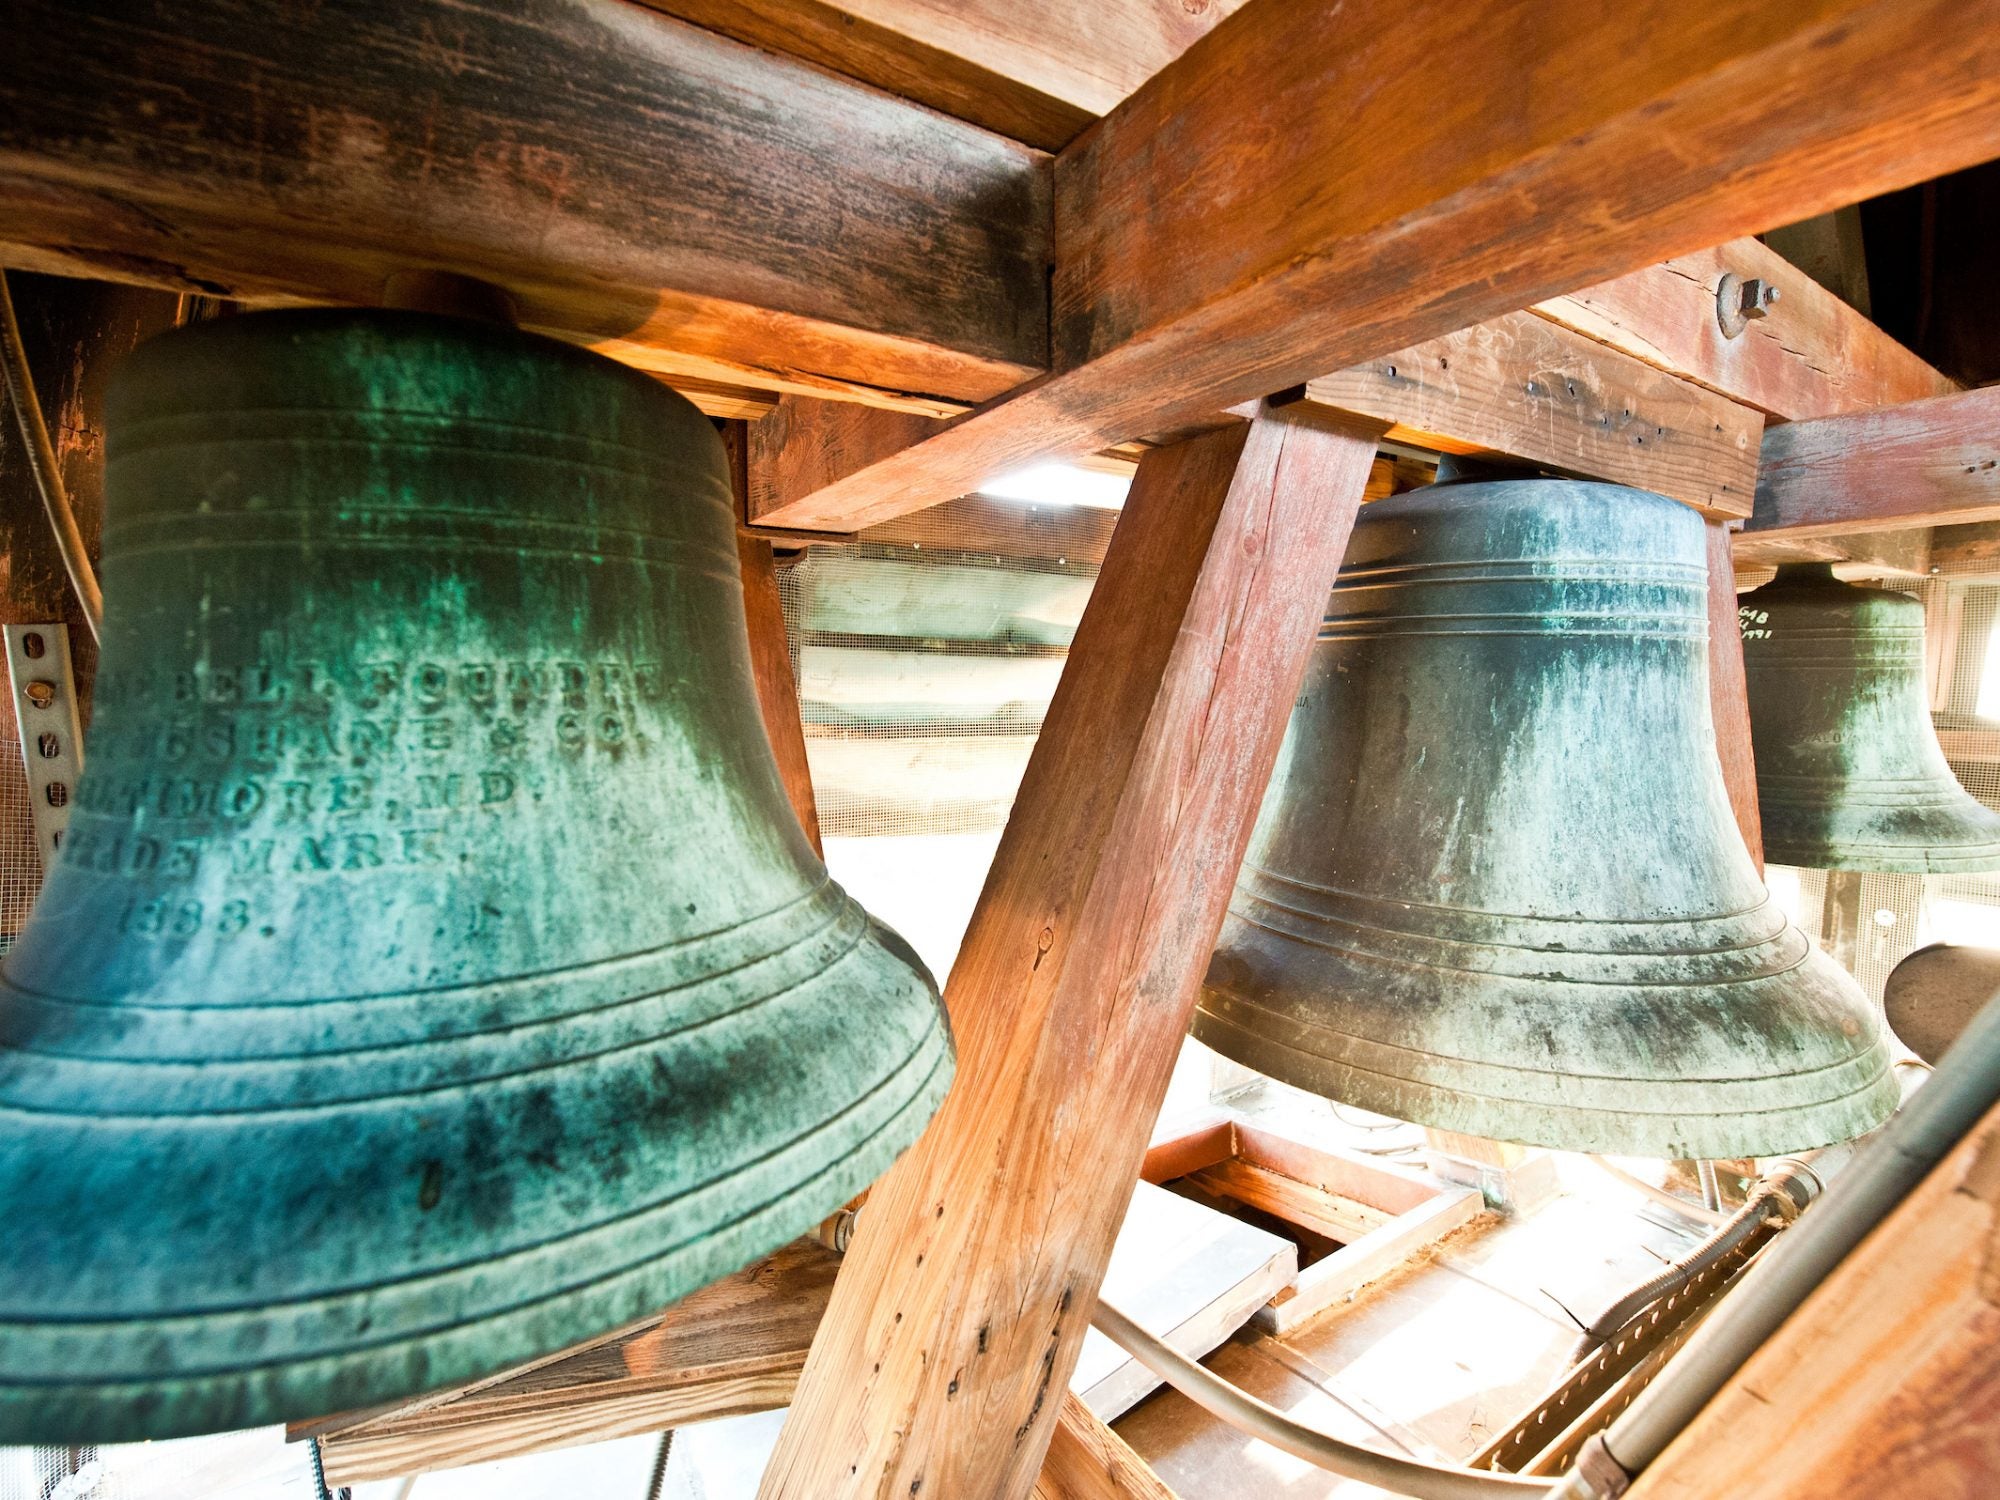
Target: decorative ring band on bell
(1496, 885)
(435, 974)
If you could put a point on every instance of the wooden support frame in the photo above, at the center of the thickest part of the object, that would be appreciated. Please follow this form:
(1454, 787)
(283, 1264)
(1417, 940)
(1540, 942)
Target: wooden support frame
(957, 1319)
(1729, 693)
(1655, 131)
(676, 198)
(1813, 356)
(1886, 1381)
(1922, 464)
(1523, 387)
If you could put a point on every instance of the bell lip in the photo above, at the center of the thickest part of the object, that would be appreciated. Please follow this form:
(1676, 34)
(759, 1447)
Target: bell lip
(38, 1410)
(1923, 859)
(1696, 1133)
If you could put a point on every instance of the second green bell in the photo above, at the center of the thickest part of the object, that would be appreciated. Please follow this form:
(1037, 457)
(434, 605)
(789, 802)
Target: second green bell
(1496, 885)
(1849, 772)
(435, 975)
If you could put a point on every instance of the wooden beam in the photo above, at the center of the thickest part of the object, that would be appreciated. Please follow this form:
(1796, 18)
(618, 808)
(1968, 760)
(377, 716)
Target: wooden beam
(1886, 1381)
(1929, 463)
(1729, 693)
(1813, 356)
(1221, 237)
(734, 1347)
(698, 206)
(958, 1316)
(777, 691)
(1868, 554)
(1088, 1461)
(1966, 549)
(898, 55)
(1523, 387)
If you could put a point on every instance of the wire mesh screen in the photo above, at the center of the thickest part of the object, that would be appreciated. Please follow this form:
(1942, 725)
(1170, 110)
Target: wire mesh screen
(1893, 915)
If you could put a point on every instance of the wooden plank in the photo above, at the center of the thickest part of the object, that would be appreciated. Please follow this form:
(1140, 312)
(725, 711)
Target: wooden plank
(1965, 549)
(1088, 53)
(1331, 1214)
(1928, 463)
(1185, 1273)
(1070, 535)
(1221, 237)
(777, 693)
(1869, 554)
(1886, 1381)
(1088, 1461)
(1729, 694)
(1337, 1277)
(1813, 356)
(634, 182)
(736, 1346)
(898, 61)
(970, 1282)
(1523, 387)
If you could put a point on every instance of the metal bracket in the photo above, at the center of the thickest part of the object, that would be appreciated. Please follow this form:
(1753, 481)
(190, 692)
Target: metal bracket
(1738, 299)
(1605, 1476)
(51, 741)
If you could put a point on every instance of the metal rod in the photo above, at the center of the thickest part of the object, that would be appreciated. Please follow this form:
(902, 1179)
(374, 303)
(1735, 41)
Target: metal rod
(1711, 1186)
(1965, 1086)
(1405, 1476)
(42, 464)
(1660, 1195)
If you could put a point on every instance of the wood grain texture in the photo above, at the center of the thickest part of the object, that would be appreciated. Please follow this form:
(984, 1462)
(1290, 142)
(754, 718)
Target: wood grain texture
(900, 62)
(1886, 1381)
(1522, 387)
(1728, 692)
(777, 690)
(1219, 235)
(1088, 1461)
(959, 1314)
(1088, 53)
(632, 181)
(1927, 463)
(736, 1346)
(1330, 1214)
(1813, 356)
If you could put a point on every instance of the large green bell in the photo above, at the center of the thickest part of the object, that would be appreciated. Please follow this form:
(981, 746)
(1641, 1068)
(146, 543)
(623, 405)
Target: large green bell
(1849, 773)
(435, 974)
(1496, 886)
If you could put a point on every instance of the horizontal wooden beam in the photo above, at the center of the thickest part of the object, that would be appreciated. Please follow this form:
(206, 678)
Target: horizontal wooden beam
(695, 205)
(1812, 356)
(1973, 548)
(1867, 554)
(1221, 236)
(736, 1346)
(1525, 388)
(1088, 1461)
(1928, 463)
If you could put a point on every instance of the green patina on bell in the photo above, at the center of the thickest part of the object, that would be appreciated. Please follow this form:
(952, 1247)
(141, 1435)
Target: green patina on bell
(435, 975)
(1849, 773)
(1496, 886)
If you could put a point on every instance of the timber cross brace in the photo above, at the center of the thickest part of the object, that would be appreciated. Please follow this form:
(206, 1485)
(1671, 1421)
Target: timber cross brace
(913, 270)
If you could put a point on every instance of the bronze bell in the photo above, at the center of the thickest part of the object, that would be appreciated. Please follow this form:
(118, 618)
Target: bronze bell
(1849, 772)
(435, 975)
(1936, 992)
(1496, 887)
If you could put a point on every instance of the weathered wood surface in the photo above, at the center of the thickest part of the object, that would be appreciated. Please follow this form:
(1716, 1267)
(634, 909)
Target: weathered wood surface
(896, 55)
(1088, 1461)
(1965, 549)
(1728, 692)
(1813, 356)
(958, 1316)
(1868, 554)
(777, 691)
(736, 1346)
(1927, 463)
(1523, 387)
(1886, 1381)
(690, 203)
(1220, 236)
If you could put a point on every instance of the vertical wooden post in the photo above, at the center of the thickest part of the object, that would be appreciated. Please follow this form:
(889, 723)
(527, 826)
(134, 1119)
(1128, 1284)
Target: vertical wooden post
(955, 1324)
(777, 691)
(1729, 702)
